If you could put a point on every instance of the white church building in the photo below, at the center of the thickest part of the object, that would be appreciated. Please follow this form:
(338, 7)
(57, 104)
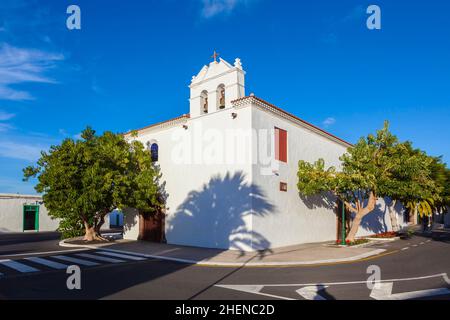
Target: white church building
(230, 172)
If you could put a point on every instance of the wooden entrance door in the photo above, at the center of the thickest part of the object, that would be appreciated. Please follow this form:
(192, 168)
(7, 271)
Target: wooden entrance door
(151, 227)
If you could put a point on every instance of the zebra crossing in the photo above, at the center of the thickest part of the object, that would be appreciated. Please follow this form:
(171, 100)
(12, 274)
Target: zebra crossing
(32, 265)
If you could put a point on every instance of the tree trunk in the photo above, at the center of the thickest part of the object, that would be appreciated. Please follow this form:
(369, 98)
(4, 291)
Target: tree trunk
(354, 228)
(361, 212)
(90, 233)
(99, 224)
(393, 216)
(413, 215)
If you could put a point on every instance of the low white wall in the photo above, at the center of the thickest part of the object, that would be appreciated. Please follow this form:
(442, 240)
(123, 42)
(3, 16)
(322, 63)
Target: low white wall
(379, 221)
(11, 213)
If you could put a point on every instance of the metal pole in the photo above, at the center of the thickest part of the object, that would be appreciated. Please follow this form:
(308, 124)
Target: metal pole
(343, 223)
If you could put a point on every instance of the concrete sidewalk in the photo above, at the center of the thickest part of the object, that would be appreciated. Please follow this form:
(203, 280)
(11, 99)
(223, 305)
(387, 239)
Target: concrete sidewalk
(305, 254)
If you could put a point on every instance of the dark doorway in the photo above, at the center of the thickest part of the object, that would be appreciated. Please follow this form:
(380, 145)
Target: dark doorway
(151, 227)
(30, 218)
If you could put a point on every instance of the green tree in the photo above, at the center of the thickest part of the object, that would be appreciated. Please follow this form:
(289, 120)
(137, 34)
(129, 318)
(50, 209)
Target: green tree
(376, 166)
(82, 181)
(409, 178)
(441, 176)
(420, 190)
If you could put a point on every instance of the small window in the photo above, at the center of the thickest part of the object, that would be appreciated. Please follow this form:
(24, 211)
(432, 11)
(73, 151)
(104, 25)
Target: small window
(281, 145)
(154, 152)
(283, 187)
(221, 96)
(204, 102)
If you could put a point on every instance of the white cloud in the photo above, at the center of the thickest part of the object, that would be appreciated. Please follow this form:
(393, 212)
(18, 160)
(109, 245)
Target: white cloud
(213, 8)
(5, 127)
(21, 151)
(95, 86)
(328, 122)
(6, 116)
(62, 132)
(19, 66)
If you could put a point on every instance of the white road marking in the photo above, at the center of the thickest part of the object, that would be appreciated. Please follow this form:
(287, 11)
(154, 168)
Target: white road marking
(422, 243)
(18, 266)
(41, 253)
(428, 240)
(77, 261)
(125, 256)
(415, 245)
(255, 289)
(440, 275)
(48, 263)
(104, 259)
(383, 291)
(405, 248)
(311, 292)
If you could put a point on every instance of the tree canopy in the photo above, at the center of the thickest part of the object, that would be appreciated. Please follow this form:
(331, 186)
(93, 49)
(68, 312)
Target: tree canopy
(376, 166)
(84, 180)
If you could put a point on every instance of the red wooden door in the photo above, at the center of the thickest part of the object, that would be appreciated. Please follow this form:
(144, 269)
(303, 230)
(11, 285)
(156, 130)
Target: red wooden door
(151, 227)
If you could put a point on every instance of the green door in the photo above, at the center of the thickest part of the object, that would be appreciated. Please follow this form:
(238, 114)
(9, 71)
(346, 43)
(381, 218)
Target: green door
(30, 218)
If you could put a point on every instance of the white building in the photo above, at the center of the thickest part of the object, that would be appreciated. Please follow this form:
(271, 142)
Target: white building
(230, 168)
(24, 213)
(27, 213)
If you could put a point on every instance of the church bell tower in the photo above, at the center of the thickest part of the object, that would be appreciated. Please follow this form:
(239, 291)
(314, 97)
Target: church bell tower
(215, 86)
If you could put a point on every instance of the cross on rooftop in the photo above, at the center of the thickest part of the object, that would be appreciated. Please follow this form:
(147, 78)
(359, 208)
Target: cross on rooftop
(215, 56)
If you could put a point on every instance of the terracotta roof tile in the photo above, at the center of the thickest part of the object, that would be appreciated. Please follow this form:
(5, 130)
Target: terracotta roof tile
(292, 116)
(184, 116)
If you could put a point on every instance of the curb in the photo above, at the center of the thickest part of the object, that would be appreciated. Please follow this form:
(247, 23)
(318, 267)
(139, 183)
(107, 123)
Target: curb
(384, 239)
(206, 263)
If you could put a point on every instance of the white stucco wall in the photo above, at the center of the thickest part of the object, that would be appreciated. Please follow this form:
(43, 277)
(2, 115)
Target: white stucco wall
(379, 220)
(239, 205)
(208, 200)
(130, 224)
(294, 220)
(11, 213)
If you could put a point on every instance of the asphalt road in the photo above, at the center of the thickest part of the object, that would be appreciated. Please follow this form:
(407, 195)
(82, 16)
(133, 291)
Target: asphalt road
(414, 268)
(23, 243)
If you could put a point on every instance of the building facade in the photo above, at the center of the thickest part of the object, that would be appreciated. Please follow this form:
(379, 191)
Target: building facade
(230, 171)
(24, 213)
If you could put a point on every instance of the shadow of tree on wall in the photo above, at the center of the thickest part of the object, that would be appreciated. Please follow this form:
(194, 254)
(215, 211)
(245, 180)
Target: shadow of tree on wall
(323, 200)
(375, 222)
(215, 216)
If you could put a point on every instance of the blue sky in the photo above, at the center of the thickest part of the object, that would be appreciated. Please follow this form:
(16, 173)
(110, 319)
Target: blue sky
(131, 63)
